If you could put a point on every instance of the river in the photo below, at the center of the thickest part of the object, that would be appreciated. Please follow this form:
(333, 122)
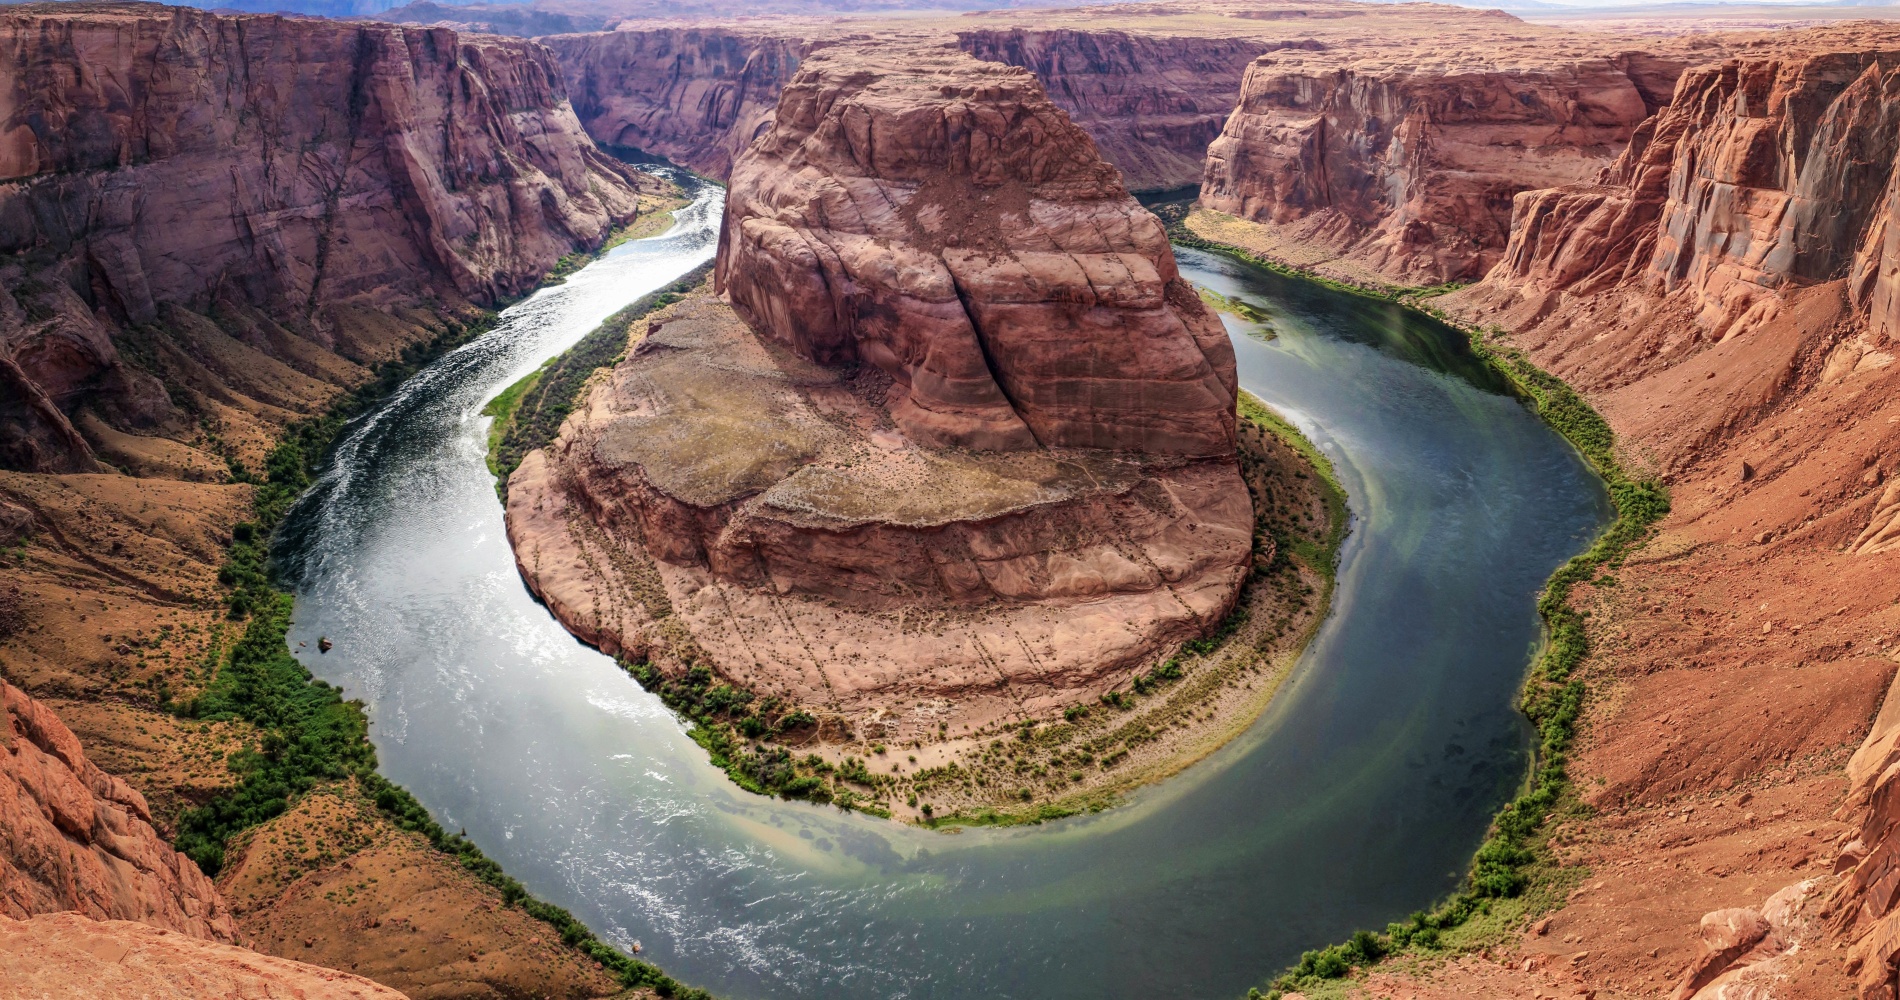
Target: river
(1357, 798)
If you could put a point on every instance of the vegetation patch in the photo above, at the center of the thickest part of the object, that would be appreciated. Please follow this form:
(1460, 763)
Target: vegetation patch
(1512, 876)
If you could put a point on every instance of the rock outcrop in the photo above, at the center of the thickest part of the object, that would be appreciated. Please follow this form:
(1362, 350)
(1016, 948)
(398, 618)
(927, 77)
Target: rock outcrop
(315, 177)
(75, 838)
(66, 955)
(973, 391)
(945, 223)
(1409, 161)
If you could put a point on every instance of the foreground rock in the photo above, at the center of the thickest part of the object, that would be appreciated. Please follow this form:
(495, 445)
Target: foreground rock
(64, 954)
(75, 838)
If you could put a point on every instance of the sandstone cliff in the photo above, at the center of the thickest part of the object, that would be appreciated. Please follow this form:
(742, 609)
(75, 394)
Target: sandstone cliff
(972, 391)
(75, 838)
(316, 177)
(1720, 293)
(214, 226)
(1151, 102)
(696, 96)
(699, 96)
(1407, 162)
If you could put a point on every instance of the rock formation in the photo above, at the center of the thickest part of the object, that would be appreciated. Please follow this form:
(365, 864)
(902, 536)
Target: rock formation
(75, 838)
(1409, 162)
(699, 96)
(953, 229)
(974, 392)
(63, 954)
(308, 173)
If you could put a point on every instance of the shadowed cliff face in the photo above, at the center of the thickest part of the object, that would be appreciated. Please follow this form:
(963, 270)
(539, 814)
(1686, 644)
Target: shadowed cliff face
(154, 159)
(940, 219)
(1409, 164)
(697, 96)
(1762, 177)
(1152, 104)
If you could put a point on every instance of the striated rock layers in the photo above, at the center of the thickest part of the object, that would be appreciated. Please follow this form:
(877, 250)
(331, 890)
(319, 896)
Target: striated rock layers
(75, 838)
(976, 444)
(311, 177)
(1758, 201)
(1152, 103)
(1408, 162)
(66, 955)
(1724, 293)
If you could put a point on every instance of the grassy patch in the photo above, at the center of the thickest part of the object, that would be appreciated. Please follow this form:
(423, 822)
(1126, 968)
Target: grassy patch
(1512, 876)
(546, 397)
(502, 410)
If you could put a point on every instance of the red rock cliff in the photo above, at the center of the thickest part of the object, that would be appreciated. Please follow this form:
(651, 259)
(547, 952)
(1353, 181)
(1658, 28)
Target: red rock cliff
(75, 838)
(699, 96)
(940, 219)
(1724, 293)
(163, 156)
(1408, 161)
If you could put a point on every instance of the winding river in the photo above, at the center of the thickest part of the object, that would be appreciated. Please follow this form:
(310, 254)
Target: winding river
(1358, 797)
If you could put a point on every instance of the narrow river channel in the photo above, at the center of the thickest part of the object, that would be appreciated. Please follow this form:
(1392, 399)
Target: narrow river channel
(1356, 799)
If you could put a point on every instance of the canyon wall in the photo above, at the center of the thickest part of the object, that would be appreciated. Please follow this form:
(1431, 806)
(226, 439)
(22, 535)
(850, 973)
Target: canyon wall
(696, 96)
(160, 158)
(1724, 295)
(1152, 103)
(699, 96)
(75, 838)
(1408, 162)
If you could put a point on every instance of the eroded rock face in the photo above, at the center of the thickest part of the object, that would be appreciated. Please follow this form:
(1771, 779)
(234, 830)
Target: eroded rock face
(697, 96)
(162, 157)
(75, 838)
(64, 954)
(700, 95)
(939, 219)
(1409, 161)
(1763, 176)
